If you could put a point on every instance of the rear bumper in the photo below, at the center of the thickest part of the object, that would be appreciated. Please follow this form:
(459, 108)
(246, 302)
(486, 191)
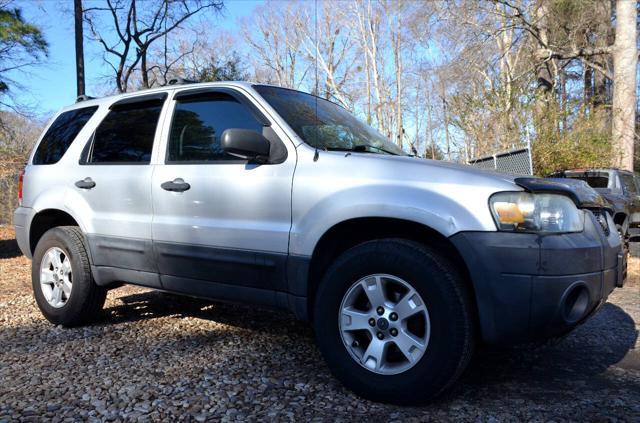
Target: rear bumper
(530, 286)
(21, 220)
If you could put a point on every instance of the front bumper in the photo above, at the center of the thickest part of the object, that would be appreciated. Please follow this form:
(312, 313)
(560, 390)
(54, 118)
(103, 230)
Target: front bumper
(531, 286)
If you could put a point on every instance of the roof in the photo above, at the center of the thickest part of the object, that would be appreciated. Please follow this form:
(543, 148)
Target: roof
(598, 170)
(116, 97)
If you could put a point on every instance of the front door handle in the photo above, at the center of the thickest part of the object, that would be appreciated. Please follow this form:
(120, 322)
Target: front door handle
(177, 185)
(86, 183)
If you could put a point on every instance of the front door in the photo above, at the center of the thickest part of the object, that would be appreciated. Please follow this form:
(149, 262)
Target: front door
(219, 221)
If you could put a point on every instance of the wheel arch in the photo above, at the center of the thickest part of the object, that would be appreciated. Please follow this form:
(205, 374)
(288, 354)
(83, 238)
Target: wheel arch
(622, 219)
(349, 233)
(47, 219)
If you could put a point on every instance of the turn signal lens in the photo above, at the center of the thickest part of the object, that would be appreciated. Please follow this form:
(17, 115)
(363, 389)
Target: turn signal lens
(508, 213)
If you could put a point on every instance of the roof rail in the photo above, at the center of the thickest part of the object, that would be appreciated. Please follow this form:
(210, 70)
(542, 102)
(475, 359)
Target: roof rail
(83, 98)
(180, 81)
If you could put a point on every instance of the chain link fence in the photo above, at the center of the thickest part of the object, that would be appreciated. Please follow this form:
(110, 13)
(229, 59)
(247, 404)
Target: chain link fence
(517, 161)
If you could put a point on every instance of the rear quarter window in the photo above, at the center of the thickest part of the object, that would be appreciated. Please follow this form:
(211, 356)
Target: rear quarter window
(592, 181)
(60, 135)
(629, 183)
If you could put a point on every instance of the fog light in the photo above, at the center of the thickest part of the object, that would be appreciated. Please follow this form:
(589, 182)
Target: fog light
(575, 303)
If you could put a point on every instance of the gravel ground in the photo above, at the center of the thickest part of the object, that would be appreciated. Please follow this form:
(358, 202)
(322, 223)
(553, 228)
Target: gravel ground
(154, 357)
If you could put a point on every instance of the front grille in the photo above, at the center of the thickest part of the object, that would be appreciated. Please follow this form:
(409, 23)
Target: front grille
(601, 217)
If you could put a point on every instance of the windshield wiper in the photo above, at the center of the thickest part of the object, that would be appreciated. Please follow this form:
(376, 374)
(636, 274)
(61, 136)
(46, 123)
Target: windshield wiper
(361, 149)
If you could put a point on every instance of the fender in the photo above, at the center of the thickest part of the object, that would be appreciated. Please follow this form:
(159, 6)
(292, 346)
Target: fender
(332, 187)
(432, 209)
(55, 199)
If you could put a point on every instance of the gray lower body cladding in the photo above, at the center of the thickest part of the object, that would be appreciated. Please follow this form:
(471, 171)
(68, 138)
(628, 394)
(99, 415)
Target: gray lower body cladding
(208, 272)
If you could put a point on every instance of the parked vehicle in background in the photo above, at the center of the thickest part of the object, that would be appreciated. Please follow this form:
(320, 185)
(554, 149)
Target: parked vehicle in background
(271, 196)
(621, 189)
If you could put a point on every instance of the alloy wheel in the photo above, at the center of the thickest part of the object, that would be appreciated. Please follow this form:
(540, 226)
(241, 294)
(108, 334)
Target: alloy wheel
(56, 277)
(384, 324)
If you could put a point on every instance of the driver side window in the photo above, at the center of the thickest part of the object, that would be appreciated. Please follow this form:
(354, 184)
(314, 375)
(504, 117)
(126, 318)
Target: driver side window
(198, 124)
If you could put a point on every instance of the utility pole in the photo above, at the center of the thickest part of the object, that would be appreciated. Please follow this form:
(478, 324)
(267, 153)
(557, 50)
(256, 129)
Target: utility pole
(79, 47)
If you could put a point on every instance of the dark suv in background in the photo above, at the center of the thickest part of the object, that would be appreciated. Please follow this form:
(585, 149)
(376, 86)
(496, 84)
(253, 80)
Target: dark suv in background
(621, 189)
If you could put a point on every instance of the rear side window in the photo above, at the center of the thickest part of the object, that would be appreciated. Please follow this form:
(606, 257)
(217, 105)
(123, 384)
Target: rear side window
(593, 181)
(126, 134)
(61, 134)
(199, 123)
(629, 184)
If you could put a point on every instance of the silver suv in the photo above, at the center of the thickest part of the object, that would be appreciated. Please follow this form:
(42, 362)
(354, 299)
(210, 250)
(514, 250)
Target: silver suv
(265, 195)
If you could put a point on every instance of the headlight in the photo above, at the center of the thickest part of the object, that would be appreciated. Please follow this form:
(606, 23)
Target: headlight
(524, 212)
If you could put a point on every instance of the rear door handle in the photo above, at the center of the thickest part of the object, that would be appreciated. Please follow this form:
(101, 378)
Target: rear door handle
(177, 185)
(86, 183)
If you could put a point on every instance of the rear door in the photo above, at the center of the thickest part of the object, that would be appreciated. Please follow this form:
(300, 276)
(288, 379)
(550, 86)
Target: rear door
(229, 222)
(112, 188)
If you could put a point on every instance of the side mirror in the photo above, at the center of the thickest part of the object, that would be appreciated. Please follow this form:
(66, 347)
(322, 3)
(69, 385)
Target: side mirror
(245, 144)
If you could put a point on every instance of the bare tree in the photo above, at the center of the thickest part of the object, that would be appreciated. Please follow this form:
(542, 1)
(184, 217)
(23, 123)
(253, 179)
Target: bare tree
(368, 18)
(137, 29)
(329, 45)
(276, 43)
(394, 11)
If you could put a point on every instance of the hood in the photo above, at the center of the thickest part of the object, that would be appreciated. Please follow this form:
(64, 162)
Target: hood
(410, 168)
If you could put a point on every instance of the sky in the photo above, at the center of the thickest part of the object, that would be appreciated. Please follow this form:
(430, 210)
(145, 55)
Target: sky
(52, 85)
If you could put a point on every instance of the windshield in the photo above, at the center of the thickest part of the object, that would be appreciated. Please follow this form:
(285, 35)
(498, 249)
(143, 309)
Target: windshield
(332, 128)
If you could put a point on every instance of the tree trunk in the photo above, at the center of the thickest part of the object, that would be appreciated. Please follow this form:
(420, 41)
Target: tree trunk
(397, 54)
(445, 115)
(543, 74)
(587, 90)
(428, 141)
(77, 6)
(603, 38)
(143, 69)
(625, 63)
(368, 86)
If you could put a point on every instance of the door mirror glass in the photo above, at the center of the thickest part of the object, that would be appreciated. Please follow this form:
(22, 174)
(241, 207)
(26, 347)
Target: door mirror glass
(246, 144)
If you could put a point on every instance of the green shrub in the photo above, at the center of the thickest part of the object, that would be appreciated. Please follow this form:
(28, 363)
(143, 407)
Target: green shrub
(585, 142)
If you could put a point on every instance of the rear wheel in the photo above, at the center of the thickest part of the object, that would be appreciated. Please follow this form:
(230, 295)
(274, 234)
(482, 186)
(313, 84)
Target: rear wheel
(61, 276)
(394, 322)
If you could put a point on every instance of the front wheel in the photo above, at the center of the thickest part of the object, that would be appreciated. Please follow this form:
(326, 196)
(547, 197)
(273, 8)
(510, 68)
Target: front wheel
(393, 320)
(624, 236)
(61, 276)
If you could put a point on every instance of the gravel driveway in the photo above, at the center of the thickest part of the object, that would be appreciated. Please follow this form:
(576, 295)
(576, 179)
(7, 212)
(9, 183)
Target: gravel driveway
(155, 357)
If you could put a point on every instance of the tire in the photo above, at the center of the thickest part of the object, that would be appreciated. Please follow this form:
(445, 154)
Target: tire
(451, 334)
(624, 237)
(79, 304)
